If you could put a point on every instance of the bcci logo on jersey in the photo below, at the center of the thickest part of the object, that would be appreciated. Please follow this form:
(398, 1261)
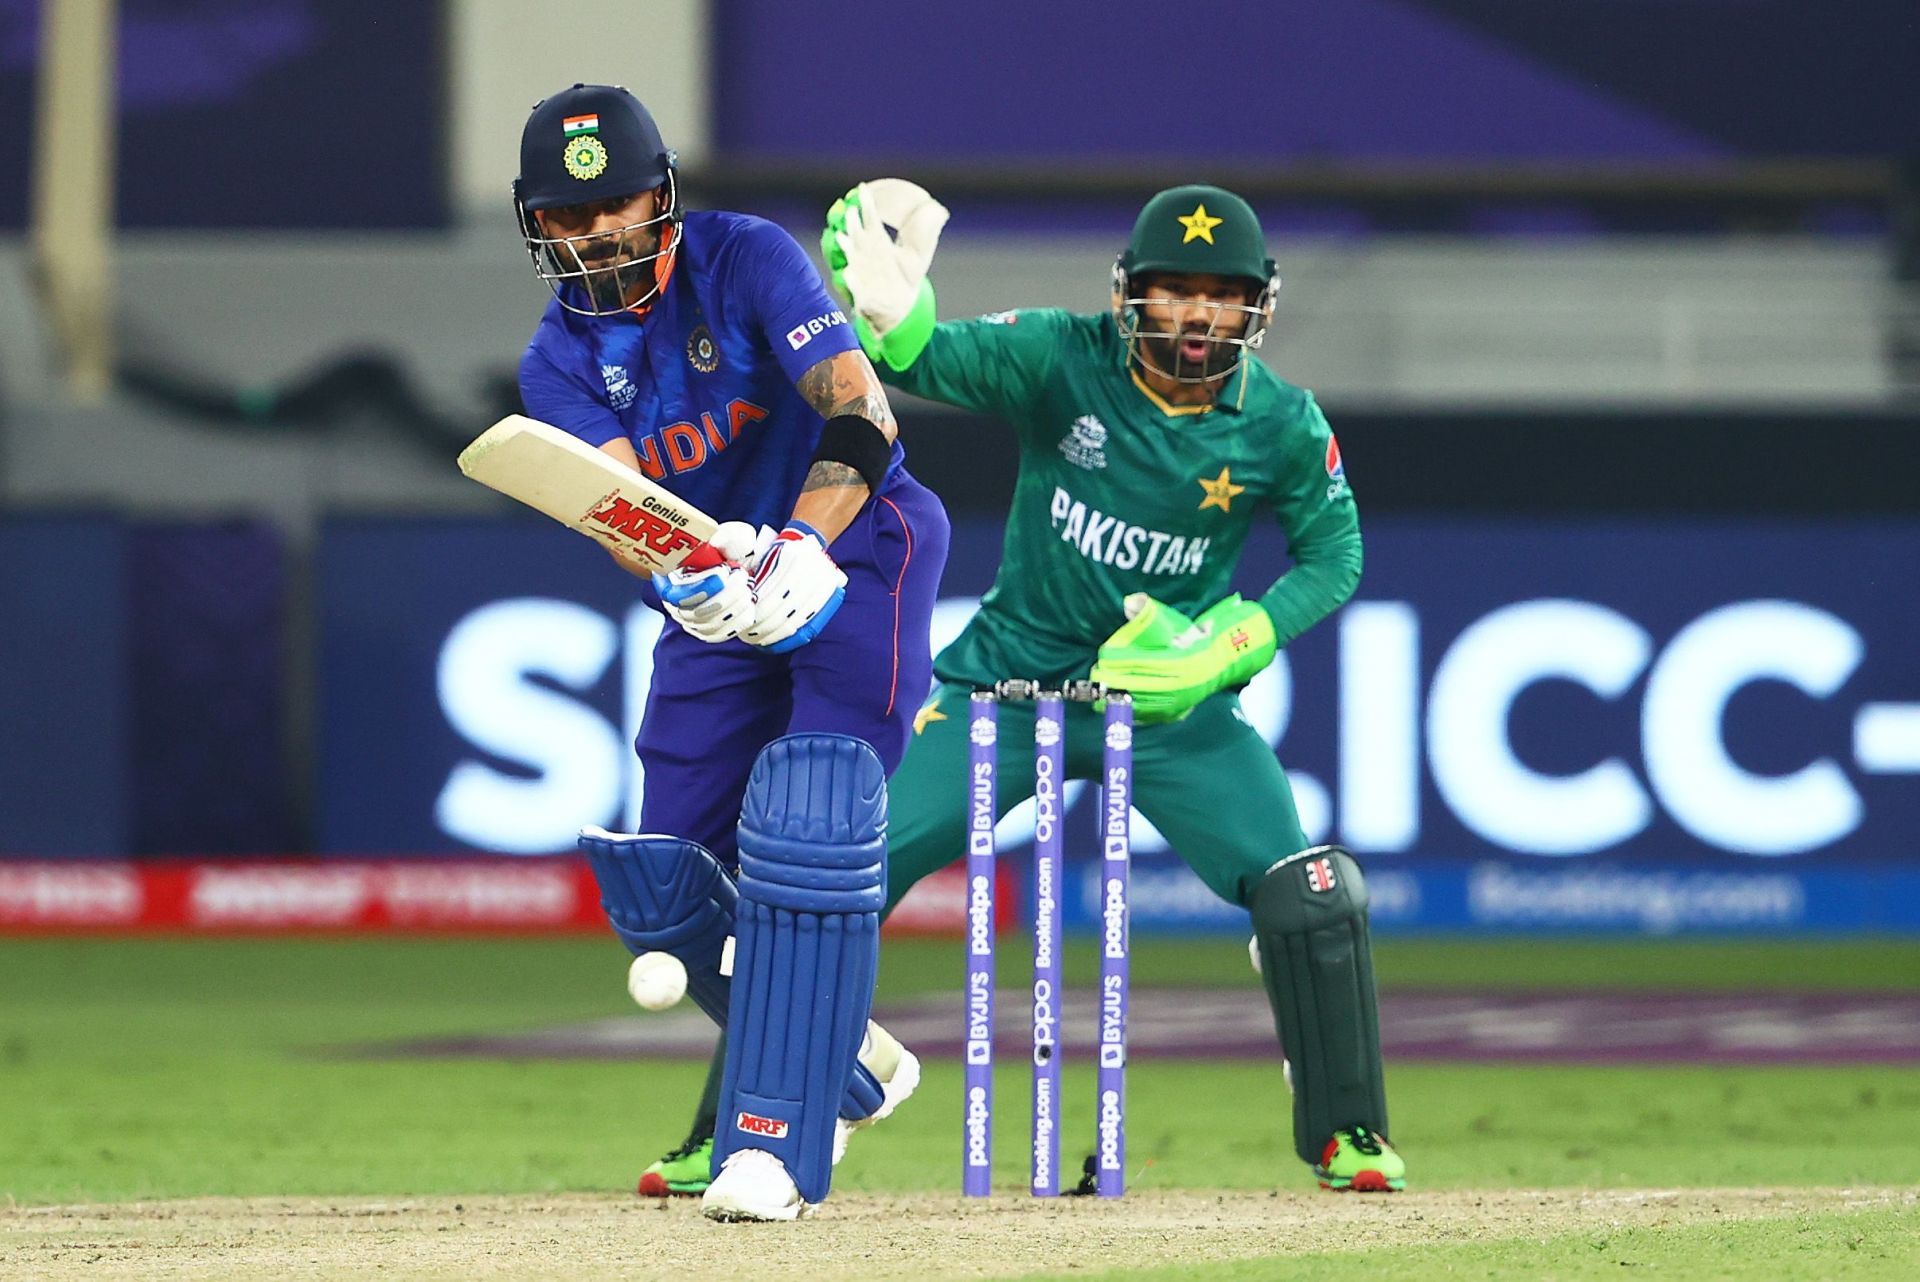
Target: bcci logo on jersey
(620, 388)
(1085, 445)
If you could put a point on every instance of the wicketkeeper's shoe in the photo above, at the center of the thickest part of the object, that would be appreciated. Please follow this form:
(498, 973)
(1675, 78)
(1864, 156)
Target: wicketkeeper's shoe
(898, 1071)
(753, 1184)
(685, 1172)
(1359, 1161)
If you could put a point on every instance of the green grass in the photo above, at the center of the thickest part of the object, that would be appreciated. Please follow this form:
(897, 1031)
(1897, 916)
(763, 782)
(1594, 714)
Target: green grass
(158, 1068)
(1861, 1245)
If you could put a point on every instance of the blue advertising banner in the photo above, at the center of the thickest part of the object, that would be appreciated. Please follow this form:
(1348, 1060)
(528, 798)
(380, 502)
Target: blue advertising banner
(142, 688)
(1610, 725)
(1368, 80)
(254, 113)
(64, 724)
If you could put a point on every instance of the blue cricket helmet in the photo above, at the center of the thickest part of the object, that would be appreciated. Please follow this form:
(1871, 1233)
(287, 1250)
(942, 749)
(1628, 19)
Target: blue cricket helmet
(587, 144)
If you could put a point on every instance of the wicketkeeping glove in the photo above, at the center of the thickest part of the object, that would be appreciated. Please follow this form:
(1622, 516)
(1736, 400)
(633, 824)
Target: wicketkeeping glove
(711, 593)
(796, 589)
(884, 277)
(1170, 664)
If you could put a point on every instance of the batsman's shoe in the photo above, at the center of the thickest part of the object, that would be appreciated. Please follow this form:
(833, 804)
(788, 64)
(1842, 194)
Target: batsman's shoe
(896, 1068)
(685, 1172)
(1359, 1161)
(753, 1185)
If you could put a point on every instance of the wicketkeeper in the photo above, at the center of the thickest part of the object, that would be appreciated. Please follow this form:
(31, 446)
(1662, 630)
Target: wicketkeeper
(1150, 441)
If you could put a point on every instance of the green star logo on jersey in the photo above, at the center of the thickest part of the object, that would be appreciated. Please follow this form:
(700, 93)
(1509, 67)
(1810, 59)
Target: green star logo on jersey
(1220, 491)
(1199, 224)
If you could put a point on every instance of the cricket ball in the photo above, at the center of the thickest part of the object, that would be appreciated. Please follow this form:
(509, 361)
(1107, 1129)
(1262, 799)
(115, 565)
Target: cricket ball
(657, 980)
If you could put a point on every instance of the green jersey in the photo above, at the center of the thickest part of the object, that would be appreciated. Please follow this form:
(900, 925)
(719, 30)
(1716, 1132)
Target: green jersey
(1121, 492)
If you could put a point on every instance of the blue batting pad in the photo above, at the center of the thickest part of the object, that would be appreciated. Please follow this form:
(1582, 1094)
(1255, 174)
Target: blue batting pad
(667, 895)
(813, 878)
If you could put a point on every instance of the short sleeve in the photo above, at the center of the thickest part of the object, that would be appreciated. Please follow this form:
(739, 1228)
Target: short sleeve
(554, 396)
(801, 321)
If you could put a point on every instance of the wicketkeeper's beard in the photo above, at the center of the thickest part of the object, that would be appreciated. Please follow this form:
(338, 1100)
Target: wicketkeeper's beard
(1166, 354)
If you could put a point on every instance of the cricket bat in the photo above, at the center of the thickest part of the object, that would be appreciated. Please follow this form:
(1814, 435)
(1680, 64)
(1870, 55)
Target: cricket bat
(557, 473)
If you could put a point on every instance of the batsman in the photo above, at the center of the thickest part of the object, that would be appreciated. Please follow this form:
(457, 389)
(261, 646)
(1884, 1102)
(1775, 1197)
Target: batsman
(700, 350)
(1150, 441)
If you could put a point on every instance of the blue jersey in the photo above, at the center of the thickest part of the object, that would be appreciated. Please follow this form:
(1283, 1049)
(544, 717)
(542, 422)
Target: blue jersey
(703, 384)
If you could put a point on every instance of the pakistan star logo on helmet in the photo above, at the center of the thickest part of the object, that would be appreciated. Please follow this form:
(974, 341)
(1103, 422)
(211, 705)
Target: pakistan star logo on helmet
(1199, 224)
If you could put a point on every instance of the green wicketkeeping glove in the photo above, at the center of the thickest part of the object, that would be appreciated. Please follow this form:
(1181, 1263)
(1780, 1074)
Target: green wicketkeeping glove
(1169, 664)
(884, 277)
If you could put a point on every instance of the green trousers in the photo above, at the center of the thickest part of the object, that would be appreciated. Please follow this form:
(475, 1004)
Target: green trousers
(1209, 783)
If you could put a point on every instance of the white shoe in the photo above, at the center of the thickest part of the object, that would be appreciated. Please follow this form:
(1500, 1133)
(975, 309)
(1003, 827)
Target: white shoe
(896, 1068)
(753, 1184)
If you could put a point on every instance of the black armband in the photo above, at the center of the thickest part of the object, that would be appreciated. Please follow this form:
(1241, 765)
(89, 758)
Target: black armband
(857, 442)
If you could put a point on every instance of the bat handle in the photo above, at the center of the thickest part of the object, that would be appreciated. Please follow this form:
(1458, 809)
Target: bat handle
(732, 542)
(704, 557)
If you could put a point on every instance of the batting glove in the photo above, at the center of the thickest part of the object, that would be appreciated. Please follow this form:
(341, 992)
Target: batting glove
(796, 589)
(710, 595)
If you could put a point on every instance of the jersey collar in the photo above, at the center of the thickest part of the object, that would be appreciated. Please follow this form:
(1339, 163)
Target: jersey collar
(1232, 397)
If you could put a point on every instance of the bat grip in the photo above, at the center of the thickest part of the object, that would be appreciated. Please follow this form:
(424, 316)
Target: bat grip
(704, 557)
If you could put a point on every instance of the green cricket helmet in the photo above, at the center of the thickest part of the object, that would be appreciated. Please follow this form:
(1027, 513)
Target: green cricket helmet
(1192, 230)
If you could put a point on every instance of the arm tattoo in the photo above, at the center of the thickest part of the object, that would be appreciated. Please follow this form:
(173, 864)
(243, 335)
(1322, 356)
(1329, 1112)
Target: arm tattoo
(846, 384)
(828, 475)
